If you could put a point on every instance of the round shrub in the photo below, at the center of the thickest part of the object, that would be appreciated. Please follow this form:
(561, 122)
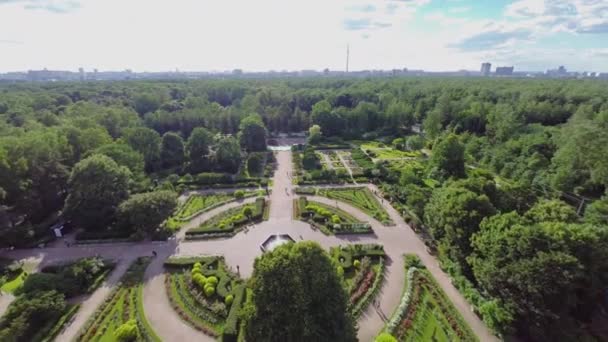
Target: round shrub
(229, 299)
(199, 280)
(127, 332)
(197, 265)
(209, 290)
(212, 280)
(247, 212)
(385, 337)
(357, 263)
(335, 219)
(239, 194)
(340, 271)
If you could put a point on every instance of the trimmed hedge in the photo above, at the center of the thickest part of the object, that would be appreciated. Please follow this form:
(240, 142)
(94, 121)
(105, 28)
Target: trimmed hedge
(231, 329)
(208, 228)
(60, 324)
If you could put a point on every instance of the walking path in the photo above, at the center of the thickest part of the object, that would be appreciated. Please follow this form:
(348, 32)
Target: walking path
(243, 248)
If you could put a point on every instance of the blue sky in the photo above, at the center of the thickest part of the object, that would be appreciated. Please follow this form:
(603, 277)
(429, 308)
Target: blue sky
(154, 35)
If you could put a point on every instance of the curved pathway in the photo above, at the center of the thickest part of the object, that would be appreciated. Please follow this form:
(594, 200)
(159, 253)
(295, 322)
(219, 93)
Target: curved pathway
(243, 248)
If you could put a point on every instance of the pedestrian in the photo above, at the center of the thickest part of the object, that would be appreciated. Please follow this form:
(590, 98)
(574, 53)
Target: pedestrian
(154, 254)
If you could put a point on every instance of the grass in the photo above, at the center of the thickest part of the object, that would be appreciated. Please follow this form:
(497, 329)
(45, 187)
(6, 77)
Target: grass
(123, 304)
(361, 198)
(15, 283)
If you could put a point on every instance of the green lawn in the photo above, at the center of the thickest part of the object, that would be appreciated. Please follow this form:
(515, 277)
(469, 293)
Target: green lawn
(361, 198)
(12, 285)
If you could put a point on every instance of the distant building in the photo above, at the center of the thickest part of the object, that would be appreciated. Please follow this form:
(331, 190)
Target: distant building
(81, 74)
(559, 72)
(485, 68)
(504, 71)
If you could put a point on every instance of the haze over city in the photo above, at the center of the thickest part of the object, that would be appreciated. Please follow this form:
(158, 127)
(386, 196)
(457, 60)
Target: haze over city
(264, 35)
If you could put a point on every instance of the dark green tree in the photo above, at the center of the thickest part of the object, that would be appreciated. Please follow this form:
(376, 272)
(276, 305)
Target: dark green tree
(198, 149)
(228, 154)
(253, 133)
(447, 159)
(172, 153)
(298, 296)
(96, 186)
(146, 142)
(145, 212)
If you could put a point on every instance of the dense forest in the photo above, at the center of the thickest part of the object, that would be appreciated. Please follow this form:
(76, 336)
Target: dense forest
(518, 169)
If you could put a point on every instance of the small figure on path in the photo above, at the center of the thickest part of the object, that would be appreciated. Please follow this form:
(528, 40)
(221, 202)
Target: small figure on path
(154, 253)
(238, 270)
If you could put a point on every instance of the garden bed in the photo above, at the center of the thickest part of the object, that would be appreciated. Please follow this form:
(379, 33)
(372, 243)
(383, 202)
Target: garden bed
(361, 198)
(230, 221)
(122, 309)
(362, 267)
(197, 204)
(425, 312)
(206, 295)
(330, 220)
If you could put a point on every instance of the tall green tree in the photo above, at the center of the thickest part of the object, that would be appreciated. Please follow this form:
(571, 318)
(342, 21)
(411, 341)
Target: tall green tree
(145, 212)
(447, 159)
(146, 142)
(253, 133)
(298, 296)
(198, 149)
(228, 154)
(172, 153)
(96, 186)
(123, 155)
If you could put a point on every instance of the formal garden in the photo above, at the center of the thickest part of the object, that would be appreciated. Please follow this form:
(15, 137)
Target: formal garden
(362, 269)
(328, 219)
(46, 299)
(359, 197)
(197, 204)
(206, 295)
(231, 221)
(121, 316)
(424, 312)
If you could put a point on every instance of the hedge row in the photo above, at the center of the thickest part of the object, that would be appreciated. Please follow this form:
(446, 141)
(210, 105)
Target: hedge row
(231, 328)
(256, 215)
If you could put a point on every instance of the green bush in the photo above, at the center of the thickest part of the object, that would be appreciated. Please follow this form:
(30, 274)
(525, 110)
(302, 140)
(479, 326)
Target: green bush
(209, 290)
(231, 328)
(228, 300)
(385, 337)
(127, 332)
(239, 194)
(357, 263)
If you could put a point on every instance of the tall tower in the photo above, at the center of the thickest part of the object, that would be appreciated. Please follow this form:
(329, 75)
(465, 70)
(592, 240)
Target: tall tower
(347, 56)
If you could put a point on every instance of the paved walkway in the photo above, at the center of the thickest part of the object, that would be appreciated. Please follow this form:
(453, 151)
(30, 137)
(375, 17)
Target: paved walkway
(243, 248)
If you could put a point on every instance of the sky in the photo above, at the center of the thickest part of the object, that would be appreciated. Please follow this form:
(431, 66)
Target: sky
(260, 35)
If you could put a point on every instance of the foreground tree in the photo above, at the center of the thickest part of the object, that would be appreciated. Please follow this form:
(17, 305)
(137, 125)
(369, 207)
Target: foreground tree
(298, 296)
(146, 142)
(96, 186)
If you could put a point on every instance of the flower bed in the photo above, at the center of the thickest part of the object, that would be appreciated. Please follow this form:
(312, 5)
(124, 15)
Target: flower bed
(205, 295)
(362, 267)
(425, 312)
(230, 221)
(361, 198)
(124, 304)
(328, 219)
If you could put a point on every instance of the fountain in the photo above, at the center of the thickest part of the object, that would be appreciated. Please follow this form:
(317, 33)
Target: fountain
(274, 241)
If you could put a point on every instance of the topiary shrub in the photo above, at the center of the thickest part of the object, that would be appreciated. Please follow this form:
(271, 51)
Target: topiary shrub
(228, 300)
(385, 337)
(239, 194)
(335, 219)
(357, 263)
(127, 332)
(209, 290)
(212, 280)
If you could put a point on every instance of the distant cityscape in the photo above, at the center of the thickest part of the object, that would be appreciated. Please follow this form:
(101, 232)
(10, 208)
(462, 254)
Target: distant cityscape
(82, 75)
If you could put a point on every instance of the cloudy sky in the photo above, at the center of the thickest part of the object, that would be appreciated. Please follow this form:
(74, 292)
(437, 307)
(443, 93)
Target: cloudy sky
(155, 35)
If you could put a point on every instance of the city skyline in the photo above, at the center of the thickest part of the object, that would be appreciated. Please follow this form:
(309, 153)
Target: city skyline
(432, 35)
